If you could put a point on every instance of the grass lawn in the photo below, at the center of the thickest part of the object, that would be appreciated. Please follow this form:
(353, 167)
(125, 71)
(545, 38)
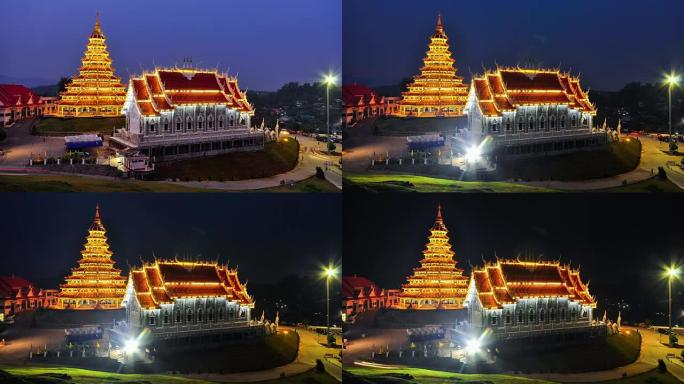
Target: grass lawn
(68, 183)
(412, 183)
(274, 159)
(653, 184)
(597, 355)
(57, 125)
(45, 375)
(269, 352)
(617, 158)
(312, 184)
(426, 376)
(651, 377)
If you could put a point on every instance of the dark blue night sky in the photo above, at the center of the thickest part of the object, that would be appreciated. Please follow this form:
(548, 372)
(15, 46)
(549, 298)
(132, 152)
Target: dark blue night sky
(608, 42)
(267, 42)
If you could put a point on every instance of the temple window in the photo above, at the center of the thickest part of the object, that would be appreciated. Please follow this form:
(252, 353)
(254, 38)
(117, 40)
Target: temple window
(220, 314)
(552, 315)
(508, 125)
(562, 314)
(210, 122)
(166, 125)
(531, 316)
(520, 126)
(508, 317)
(531, 125)
(243, 313)
(166, 317)
(573, 122)
(542, 315)
(552, 122)
(210, 314)
(541, 123)
(199, 315)
(189, 124)
(573, 314)
(562, 122)
(178, 124)
(584, 122)
(520, 316)
(189, 317)
(151, 320)
(199, 122)
(220, 122)
(492, 320)
(231, 122)
(152, 127)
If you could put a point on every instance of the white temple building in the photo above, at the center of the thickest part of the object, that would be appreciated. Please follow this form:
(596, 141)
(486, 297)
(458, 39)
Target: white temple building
(518, 299)
(186, 112)
(188, 302)
(519, 111)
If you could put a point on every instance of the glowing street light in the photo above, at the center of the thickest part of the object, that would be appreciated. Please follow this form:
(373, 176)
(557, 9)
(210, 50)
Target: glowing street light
(670, 272)
(131, 346)
(473, 154)
(671, 80)
(329, 272)
(473, 346)
(329, 80)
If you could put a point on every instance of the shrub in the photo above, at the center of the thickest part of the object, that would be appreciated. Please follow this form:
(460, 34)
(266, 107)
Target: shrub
(319, 173)
(661, 366)
(319, 366)
(661, 173)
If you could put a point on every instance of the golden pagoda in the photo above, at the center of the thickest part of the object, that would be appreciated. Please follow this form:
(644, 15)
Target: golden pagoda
(95, 283)
(95, 91)
(437, 90)
(437, 283)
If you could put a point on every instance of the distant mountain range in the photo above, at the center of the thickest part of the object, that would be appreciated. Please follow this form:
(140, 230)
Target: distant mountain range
(27, 81)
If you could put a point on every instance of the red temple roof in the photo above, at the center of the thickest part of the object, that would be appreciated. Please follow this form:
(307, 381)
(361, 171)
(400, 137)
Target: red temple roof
(359, 95)
(165, 281)
(508, 280)
(506, 89)
(18, 95)
(164, 89)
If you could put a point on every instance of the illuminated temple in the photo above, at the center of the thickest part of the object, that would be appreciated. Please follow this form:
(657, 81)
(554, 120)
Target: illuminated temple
(438, 283)
(186, 112)
(95, 91)
(527, 111)
(520, 299)
(437, 90)
(183, 302)
(95, 283)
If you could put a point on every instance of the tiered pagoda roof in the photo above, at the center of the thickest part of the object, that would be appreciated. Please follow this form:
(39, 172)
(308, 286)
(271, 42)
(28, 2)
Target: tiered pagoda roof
(508, 88)
(438, 282)
(437, 90)
(95, 283)
(166, 88)
(506, 281)
(165, 281)
(95, 91)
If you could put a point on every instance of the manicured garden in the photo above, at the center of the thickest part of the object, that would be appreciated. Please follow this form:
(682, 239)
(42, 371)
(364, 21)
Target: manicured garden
(616, 158)
(68, 183)
(276, 158)
(71, 126)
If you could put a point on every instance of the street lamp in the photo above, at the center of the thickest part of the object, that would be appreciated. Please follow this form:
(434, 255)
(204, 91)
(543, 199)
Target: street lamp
(329, 272)
(671, 80)
(329, 80)
(670, 272)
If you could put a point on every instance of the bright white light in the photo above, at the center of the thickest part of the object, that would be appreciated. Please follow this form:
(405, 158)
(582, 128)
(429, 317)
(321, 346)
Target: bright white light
(473, 154)
(473, 346)
(131, 346)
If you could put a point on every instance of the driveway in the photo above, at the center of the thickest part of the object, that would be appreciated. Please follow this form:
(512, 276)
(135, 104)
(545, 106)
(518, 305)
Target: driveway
(20, 145)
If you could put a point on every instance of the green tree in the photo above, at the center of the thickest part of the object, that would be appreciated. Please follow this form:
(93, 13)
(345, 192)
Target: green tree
(63, 82)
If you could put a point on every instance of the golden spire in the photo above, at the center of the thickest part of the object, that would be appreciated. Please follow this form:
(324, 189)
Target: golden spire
(439, 22)
(97, 222)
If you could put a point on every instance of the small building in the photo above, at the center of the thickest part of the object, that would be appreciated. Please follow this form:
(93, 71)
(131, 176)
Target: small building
(50, 104)
(187, 302)
(18, 102)
(529, 111)
(18, 294)
(518, 299)
(360, 294)
(360, 102)
(184, 112)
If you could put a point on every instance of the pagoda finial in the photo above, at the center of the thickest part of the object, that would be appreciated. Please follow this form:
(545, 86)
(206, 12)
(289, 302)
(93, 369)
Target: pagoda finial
(97, 212)
(439, 21)
(439, 212)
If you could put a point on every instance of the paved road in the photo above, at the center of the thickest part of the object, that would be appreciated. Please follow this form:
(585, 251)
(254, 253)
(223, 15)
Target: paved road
(20, 145)
(310, 350)
(360, 145)
(651, 351)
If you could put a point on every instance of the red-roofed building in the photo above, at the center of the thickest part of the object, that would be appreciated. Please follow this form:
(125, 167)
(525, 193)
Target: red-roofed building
(360, 102)
(521, 299)
(186, 112)
(360, 294)
(527, 111)
(175, 299)
(18, 294)
(18, 102)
